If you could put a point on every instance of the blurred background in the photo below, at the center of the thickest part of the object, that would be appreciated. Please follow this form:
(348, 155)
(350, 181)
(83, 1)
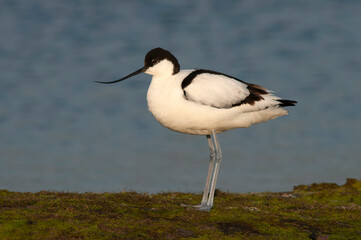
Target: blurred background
(61, 131)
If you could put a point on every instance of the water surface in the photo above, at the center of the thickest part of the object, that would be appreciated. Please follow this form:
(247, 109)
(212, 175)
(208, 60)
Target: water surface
(61, 131)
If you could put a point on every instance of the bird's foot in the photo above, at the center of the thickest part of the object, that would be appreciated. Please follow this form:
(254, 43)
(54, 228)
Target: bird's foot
(200, 207)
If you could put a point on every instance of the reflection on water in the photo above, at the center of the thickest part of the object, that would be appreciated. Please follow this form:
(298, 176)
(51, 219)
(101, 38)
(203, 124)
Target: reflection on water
(61, 131)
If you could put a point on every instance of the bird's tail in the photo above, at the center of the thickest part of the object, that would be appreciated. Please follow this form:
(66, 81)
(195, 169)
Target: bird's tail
(286, 103)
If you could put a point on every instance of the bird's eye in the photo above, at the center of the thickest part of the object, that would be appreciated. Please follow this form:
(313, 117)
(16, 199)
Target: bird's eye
(154, 61)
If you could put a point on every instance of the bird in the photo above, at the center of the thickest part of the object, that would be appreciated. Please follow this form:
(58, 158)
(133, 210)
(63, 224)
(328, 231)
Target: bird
(204, 102)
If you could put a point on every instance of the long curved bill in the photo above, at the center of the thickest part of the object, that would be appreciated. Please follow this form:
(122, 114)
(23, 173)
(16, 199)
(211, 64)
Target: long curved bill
(130, 75)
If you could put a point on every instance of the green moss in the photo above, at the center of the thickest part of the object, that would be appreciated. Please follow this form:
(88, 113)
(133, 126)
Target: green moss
(317, 211)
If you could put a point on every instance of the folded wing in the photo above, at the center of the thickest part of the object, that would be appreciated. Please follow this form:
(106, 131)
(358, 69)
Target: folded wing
(219, 90)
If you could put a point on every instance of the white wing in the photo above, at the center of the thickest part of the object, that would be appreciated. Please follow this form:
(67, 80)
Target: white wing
(218, 90)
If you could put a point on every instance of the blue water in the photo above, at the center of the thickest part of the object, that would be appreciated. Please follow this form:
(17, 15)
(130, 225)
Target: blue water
(61, 131)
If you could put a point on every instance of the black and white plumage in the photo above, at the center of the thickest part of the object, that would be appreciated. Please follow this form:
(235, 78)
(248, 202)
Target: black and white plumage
(205, 102)
(227, 91)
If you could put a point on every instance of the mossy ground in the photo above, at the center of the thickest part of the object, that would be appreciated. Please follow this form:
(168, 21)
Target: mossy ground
(319, 211)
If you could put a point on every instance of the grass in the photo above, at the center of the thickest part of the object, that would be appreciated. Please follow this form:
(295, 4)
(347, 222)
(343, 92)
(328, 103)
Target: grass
(319, 211)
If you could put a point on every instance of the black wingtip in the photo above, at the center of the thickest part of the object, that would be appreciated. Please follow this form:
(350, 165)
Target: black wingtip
(287, 103)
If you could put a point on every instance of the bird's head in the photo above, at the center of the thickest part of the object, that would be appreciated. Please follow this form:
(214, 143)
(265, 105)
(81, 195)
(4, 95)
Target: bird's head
(157, 62)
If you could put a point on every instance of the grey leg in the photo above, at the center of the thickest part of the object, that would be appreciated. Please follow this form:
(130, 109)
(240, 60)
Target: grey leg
(218, 158)
(210, 187)
(210, 170)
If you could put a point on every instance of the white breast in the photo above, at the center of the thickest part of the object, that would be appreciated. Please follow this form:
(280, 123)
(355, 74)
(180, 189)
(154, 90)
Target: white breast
(166, 101)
